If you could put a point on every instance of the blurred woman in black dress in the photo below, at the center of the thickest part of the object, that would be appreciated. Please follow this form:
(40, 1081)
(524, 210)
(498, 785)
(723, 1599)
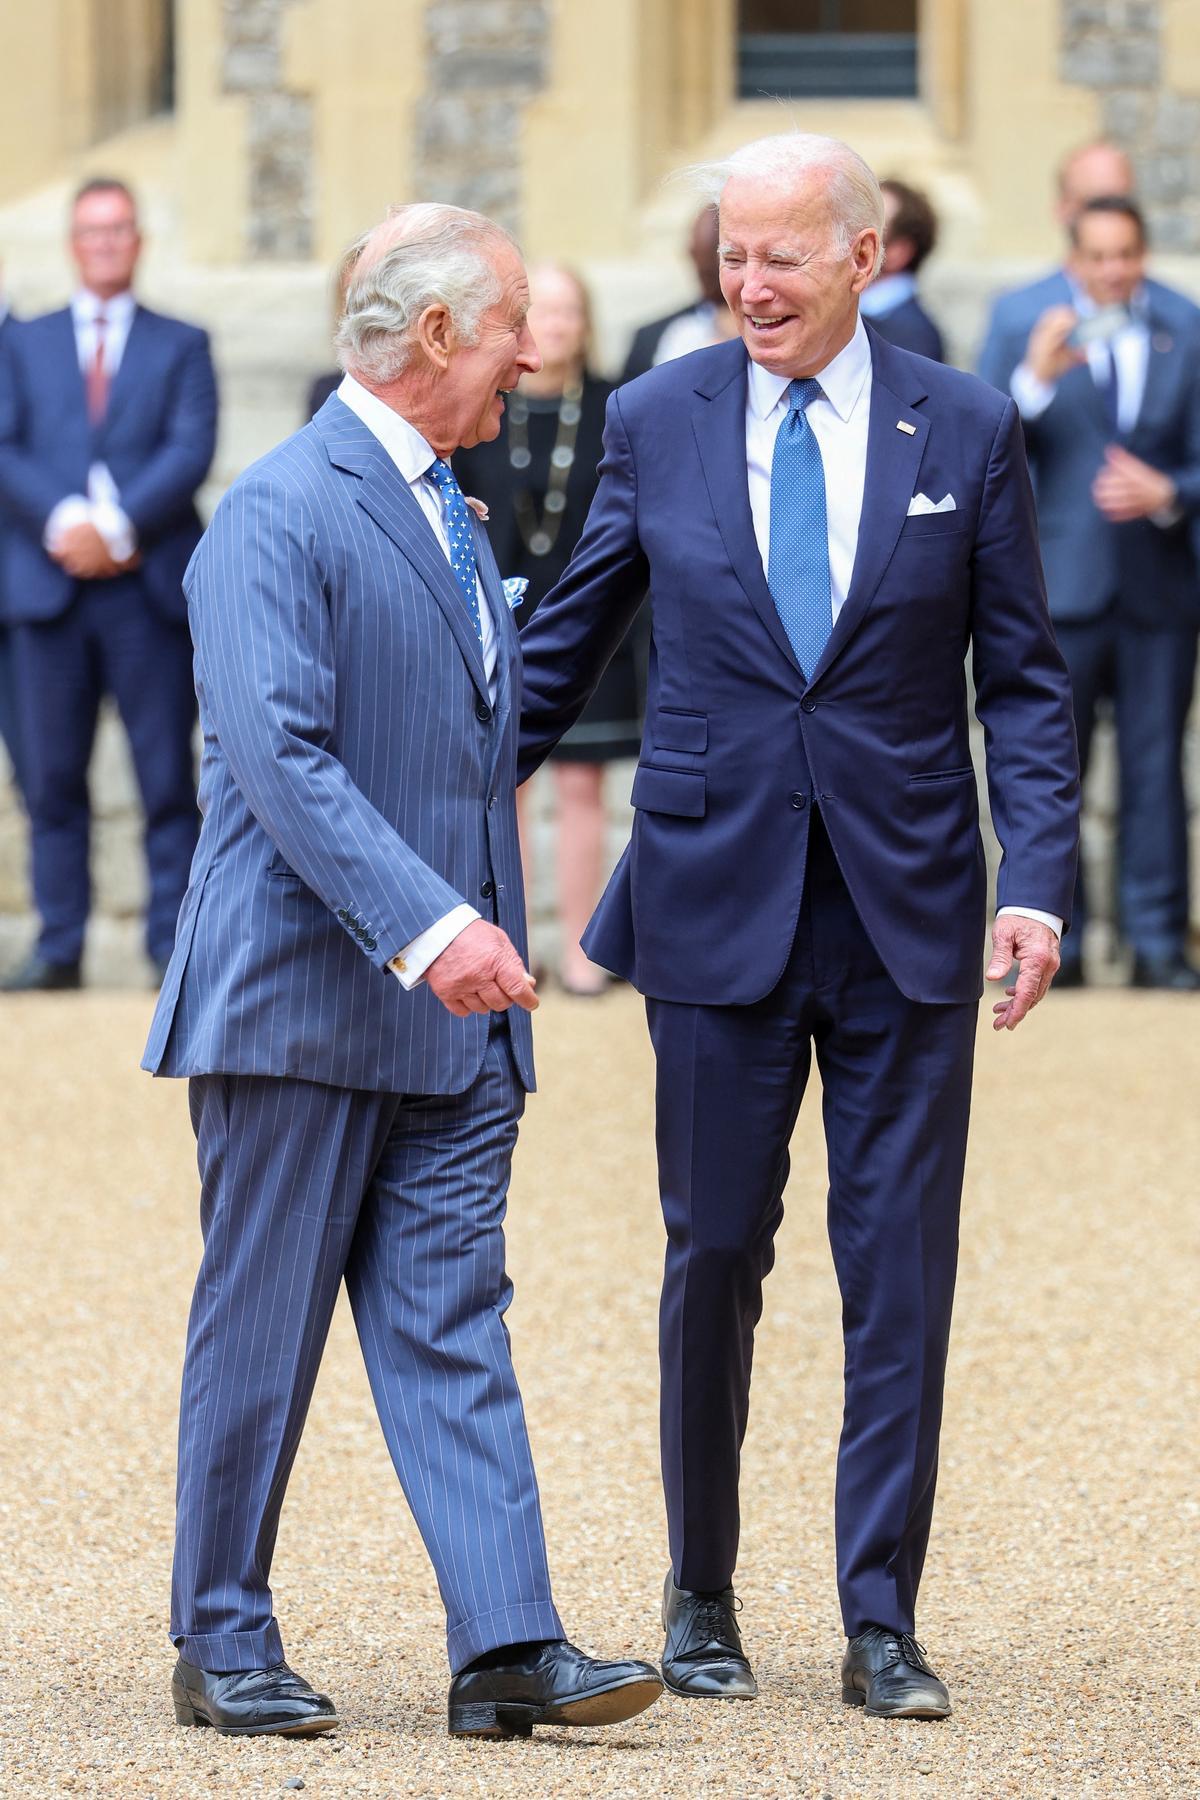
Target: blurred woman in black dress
(537, 480)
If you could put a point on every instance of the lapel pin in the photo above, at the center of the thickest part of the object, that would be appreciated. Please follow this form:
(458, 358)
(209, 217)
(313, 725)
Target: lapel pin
(903, 425)
(1162, 342)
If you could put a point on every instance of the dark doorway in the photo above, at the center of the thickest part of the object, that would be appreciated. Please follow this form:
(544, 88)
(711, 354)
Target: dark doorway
(830, 49)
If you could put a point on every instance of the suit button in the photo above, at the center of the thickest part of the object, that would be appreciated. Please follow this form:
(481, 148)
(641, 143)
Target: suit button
(343, 915)
(370, 944)
(808, 706)
(491, 801)
(487, 889)
(483, 712)
(799, 801)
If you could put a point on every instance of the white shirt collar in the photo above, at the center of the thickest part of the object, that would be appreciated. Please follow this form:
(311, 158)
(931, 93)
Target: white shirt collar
(841, 380)
(118, 310)
(402, 441)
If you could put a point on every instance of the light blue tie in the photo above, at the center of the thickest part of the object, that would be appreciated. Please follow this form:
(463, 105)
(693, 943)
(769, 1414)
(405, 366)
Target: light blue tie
(459, 534)
(798, 555)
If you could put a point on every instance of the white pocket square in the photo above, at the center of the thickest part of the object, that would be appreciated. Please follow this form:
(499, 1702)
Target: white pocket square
(921, 503)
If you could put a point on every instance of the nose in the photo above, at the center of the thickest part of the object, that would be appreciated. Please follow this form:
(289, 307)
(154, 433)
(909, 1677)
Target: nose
(756, 289)
(528, 354)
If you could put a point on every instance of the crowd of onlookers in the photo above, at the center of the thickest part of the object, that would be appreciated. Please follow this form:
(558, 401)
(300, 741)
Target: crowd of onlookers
(107, 428)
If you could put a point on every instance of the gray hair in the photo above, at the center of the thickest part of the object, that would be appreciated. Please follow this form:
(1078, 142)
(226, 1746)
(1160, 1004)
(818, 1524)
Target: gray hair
(421, 255)
(855, 201)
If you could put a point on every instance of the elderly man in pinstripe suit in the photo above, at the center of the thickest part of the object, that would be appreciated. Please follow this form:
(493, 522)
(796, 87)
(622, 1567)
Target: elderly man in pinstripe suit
(349, 1000)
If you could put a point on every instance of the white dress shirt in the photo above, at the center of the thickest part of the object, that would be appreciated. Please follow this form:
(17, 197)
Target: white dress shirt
(840, 422)
(692, 330)
(412, 456)
(101, 505)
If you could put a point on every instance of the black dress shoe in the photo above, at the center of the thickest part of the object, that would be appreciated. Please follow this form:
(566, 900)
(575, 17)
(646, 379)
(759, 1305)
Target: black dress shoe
(1070, 975)
(886, 1673)
(38, 977)
(1170, 974)
(250, 1702)
(548, 1684)
(703, 1657)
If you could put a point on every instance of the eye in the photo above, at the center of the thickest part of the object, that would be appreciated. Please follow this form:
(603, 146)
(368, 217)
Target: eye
(729, 260)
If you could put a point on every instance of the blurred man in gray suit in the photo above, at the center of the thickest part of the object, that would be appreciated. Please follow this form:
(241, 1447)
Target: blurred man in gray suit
(349, 1000)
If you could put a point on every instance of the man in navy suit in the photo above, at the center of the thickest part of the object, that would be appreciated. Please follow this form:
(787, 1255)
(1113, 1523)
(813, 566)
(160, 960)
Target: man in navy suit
(1109, 391)
(826, 525)
(8, 690)
(107, 426)
(349, 1000)
(891, 302)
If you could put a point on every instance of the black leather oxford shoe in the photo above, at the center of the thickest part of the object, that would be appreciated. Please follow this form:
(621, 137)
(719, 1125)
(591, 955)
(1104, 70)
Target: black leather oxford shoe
(250, 1702)
(703, 1657)
(549, 1684)
(886, 1673)
(1169, 974)
(38, 977)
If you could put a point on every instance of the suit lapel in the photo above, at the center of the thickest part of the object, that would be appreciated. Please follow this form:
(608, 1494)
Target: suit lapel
(67, 358)
(1160, 373)
(385, 496)
(719, 423)
(508, 649)
(893, 465)
(125, 381)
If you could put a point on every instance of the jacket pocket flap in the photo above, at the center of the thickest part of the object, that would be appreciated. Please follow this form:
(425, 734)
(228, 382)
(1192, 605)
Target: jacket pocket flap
(683, 731)
(677, 791)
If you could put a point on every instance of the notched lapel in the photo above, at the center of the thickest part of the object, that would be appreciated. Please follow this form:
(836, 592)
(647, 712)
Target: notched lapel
(384, 495)
(127, 378)
(1162, 364)
(893, 466)
(719, 424)
(508, 648)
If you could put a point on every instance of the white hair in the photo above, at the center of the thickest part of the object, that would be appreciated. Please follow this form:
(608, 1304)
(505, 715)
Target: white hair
(421, 255)
(785, 160)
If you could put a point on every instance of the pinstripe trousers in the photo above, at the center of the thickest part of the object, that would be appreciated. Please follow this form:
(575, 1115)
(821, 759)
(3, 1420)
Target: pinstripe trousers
(404, 1196)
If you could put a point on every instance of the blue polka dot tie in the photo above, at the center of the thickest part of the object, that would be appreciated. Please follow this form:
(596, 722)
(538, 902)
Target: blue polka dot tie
(459, 534)
(798, 556)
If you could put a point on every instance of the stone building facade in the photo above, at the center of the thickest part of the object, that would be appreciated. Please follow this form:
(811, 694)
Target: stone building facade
(263, 135)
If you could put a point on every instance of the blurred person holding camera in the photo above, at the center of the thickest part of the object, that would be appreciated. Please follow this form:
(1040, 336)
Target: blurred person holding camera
(891, 303)
(1108, 385)
(537, 480)
(108, 416)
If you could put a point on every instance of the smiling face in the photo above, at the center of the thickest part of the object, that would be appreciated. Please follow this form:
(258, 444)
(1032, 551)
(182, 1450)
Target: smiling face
(791, 290)
(468, 397)
(105, 242)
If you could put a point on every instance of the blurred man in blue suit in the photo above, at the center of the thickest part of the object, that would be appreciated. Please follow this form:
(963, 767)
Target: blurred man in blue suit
(108, 417)
(892, 302)
(1108, 386)
(349, 1000)
(827, 525)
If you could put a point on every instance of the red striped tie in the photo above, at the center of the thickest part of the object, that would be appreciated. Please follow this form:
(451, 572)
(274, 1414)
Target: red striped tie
(97, 376)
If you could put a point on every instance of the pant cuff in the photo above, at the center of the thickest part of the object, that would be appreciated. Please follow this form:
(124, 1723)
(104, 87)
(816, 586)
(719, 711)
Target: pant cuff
(229, 1650)
(522, 1622)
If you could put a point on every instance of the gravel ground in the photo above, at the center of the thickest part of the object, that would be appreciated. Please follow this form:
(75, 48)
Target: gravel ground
(1059, 1600)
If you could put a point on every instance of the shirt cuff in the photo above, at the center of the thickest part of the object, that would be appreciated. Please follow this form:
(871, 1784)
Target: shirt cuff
(1031, 393)
(1029, 912)
(115, 528)
(74, 510)
(410, 966)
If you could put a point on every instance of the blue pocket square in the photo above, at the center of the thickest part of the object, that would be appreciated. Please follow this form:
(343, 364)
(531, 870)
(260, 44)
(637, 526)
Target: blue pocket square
(514, 589)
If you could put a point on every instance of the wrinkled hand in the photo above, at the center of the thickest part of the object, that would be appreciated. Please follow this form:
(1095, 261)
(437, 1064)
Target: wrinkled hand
(1127, 488)
(1034, 948)
(82, 552)
(1048, 353)
(480, 972)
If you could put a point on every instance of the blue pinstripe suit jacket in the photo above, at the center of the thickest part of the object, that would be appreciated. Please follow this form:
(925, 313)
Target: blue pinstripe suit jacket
(357, 781)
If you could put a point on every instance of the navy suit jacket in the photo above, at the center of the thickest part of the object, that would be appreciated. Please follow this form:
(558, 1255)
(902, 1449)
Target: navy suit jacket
(910, 327)
(704, 904)
(1149, 571)
(357, 782)
(157, 438)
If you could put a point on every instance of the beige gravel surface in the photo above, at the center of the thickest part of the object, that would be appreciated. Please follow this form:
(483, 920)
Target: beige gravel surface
(1060, 1598)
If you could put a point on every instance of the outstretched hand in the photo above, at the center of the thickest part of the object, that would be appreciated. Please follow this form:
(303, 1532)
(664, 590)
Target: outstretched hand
(1034, 948)
(480, 972)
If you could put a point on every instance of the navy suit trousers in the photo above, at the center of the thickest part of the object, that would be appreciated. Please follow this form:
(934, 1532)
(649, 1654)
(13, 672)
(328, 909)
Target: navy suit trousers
(1149, 675)
(112, 639)
(404, 1196)
(8, 708)
(896, 1077)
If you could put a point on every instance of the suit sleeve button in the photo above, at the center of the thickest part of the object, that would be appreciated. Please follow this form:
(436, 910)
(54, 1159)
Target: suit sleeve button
(370, 944)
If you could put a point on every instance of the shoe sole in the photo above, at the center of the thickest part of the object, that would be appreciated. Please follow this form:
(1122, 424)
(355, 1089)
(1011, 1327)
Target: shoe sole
(691, 1694)
(506, 1719)
(856, 1697)
(186, 1714)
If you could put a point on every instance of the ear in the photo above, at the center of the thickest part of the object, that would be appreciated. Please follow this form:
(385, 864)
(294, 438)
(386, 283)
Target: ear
(862, 260)
(435, 335)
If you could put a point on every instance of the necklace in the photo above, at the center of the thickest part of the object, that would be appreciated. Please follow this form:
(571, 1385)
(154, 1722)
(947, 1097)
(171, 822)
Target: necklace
(539, 535)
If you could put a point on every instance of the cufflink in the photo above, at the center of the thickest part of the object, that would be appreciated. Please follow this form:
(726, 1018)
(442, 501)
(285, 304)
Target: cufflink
(398, 963)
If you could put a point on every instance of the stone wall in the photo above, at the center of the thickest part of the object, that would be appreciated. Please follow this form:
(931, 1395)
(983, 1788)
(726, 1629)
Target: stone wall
(1149, 104)
(279, 221)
